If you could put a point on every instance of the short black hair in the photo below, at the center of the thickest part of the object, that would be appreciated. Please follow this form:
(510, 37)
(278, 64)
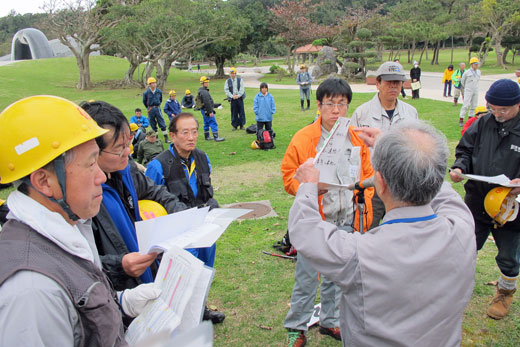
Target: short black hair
(138, 110)
(105, 115)
(264, 85)
(173, 123)
(333, 87)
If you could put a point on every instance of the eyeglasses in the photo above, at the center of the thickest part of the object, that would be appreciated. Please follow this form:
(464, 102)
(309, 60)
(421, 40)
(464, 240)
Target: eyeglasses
(499, 112)
(330, 105)
(125, 146)
(186, 133)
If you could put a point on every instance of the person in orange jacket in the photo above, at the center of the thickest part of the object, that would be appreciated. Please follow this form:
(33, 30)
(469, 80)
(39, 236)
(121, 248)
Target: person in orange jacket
(339, 207)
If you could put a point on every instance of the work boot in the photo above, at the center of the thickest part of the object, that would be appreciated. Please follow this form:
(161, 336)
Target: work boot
(334, 332)
(455, 100)
(501, 303)
(218, 139)
(308, 104)
(206, 136)
(301, 104)
(166, 140)
(215, 317)
(295, 338)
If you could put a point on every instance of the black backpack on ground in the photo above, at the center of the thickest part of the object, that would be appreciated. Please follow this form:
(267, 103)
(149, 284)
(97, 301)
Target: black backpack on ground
(251, 129)
(265, 139)
(285, 246)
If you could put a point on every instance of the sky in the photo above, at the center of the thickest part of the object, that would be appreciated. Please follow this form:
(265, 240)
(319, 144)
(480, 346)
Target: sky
(20, 6)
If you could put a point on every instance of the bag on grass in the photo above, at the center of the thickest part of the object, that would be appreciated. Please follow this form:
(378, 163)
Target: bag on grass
(285, 246)
(265, 139)
(251, 129)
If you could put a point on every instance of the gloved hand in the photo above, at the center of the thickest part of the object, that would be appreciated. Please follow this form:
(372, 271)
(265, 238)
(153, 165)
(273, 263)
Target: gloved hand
(134, 300)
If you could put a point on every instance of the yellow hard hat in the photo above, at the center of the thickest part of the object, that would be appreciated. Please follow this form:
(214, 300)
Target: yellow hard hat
(172, 92)
(1, 202)
(131, 148)
(133, 127)
(473, 60)
(254, 145)
(38, 129)
(204, 79)
(302, 66)
(233, 70)
(500, 205)
(149, 209)
(480, 109)
(151, 80)
(187, 91)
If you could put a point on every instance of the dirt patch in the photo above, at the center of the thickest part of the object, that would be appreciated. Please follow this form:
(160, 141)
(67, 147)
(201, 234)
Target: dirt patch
(230, 178)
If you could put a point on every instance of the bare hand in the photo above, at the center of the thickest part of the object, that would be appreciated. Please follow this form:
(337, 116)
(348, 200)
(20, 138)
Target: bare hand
(454, 177)
(134, 264)
(235, 97)
(307, 173)
(515, 191)
(211, 114)
(368, 135)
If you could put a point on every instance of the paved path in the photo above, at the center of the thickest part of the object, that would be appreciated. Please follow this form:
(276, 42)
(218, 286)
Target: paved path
(432, 86)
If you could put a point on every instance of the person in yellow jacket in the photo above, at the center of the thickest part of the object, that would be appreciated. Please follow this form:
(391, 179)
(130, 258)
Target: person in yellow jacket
(446, 79)
(338, 207)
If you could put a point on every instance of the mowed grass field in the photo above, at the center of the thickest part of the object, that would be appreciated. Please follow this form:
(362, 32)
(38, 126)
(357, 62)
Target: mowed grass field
(253, 289)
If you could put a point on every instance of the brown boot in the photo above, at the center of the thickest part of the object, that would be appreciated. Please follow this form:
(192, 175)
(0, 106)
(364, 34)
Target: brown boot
(501, 303)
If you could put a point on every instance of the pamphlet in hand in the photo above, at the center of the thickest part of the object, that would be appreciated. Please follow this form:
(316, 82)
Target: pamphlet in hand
(193, 228)
(328, 156)
(184, 283)
(502, 180)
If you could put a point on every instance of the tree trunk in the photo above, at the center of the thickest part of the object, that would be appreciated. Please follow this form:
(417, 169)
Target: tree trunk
(425, 48)
(219, 63)
(451, 57)
(413, 52)
(129, 74)
(469, 47)
(162, 78)
(83, 62)
(504, 56)
(148, 70)
(498, 44)
(483, 60)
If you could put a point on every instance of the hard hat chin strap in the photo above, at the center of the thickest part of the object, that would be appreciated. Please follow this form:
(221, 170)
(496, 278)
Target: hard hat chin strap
(59, 168)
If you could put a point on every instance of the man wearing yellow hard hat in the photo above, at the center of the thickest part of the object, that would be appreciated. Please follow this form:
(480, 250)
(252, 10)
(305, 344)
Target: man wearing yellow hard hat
(152, 99)
(172, 106)
(469, 83)
(235, 94)
(53, 291)
(491, 147)
(207, 109)
(187, 100)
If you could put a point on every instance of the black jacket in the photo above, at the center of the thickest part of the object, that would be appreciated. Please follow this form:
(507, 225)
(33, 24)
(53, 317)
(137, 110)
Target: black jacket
(110, 245)
(207, 100)
(488, 148)
(415, 73)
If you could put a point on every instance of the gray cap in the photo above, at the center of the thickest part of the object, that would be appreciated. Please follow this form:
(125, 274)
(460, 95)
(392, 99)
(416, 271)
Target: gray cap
(391, 71)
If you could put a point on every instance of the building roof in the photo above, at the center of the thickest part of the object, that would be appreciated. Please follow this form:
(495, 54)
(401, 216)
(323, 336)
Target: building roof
(310, 49)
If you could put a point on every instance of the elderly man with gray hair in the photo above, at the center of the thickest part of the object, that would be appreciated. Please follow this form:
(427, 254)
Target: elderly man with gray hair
(407, 281)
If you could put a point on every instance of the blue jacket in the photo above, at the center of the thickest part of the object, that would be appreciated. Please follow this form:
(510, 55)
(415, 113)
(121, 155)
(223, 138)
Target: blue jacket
(142, 119)
(264, 107)
(151, 99)
(172, 107)
(117, 212)
(154, 170)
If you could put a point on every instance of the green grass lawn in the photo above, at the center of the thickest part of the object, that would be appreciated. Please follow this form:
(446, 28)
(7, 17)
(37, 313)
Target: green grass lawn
(253, 289)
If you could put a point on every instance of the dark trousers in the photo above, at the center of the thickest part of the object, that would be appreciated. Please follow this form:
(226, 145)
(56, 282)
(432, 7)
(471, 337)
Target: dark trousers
(415, 94)
(238, 115)
(155, 117)
(260, 125)
(447, 85)
(403, 92)
(507, 240)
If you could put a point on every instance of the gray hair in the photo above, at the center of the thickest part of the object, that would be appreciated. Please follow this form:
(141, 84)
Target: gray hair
(412, 158)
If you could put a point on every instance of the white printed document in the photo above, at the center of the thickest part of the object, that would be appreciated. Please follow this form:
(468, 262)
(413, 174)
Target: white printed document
(184, 283)
(193, 228)
(502, 180)
(328, 157)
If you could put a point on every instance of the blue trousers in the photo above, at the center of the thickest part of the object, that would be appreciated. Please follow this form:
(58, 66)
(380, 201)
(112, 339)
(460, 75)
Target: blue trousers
(207, 255)
(209, 122)
(155, 117)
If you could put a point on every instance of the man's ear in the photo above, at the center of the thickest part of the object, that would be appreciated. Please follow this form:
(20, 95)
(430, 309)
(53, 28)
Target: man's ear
(379, 181)
(43, 181)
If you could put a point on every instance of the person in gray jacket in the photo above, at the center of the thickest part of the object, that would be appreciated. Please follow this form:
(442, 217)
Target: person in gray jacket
(304, 80)
(52, 289)
(383, 111)
(408, 281)
(469, 83)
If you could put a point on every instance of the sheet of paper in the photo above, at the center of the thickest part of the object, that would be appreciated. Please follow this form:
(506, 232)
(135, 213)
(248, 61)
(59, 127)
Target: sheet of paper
(502, 180)
(328, 157)
(333, 186)
(177, 278)
(154, 232)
